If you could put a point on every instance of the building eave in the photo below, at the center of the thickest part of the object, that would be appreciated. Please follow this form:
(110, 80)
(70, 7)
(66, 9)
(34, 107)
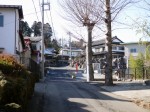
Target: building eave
(140, 43)
(19, 7)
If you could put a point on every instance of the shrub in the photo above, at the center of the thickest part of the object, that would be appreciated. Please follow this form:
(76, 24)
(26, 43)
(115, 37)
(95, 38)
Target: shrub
(16, 83)
(9, 65)
(137, 64)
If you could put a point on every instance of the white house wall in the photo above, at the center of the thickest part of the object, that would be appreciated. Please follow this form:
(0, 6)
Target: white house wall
(139, 49)
(38, 46)
(7, 32)
(67, 52)
(18, 40)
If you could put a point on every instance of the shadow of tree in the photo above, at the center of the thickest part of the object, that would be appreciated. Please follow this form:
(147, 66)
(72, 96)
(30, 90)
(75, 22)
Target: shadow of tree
(60, 93)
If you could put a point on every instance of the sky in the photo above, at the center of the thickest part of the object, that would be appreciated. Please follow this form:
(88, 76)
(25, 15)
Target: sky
(124, 32)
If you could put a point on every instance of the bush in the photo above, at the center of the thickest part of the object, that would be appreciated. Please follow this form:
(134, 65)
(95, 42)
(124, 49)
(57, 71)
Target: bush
(137, 64)
(16, 83)
(9, 65)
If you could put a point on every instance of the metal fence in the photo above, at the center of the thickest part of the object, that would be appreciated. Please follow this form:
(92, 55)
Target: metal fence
(131, 73)
(138, 73)
(128, 73)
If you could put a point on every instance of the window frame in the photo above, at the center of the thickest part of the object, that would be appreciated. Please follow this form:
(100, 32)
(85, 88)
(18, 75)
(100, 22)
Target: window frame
(1, 20)
(133, 50)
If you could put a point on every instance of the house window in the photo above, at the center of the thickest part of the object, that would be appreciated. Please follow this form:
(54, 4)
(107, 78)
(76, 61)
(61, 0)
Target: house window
(133, 50)
(114, 48)
(72, 53)
(1, 20)
(114, 57)
(103, 49)
(121, 48)
(1, 50)
(97, 50)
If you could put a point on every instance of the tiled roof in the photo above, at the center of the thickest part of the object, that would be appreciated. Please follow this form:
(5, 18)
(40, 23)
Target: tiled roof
(102, 41)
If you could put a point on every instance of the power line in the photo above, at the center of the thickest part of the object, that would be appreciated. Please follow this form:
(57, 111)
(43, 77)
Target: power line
(52, 24)
(40, 7)
(31, 13)
(51, 20)
(35, 9)
(48, 18)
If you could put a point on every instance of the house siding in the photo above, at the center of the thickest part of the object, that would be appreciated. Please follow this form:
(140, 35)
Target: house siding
(139, 49)
(74, 53)
(9, 35)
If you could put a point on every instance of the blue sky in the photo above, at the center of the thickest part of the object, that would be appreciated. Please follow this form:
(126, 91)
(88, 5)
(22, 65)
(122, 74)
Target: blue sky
(59, 24)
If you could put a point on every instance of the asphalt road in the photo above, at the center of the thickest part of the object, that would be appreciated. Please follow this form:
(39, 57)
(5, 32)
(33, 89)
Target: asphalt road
(60, 93)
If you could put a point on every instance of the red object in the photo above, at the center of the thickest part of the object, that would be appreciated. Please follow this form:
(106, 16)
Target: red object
(76, 67)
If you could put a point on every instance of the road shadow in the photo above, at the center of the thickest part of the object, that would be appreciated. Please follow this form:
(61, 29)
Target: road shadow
(66, 74)
(60, 93)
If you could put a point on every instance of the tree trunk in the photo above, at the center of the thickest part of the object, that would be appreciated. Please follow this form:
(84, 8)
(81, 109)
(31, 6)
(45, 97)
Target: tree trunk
(90, 54)
(108, 69)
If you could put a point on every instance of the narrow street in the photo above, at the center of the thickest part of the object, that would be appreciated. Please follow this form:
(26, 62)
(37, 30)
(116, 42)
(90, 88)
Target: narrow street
(60, 93)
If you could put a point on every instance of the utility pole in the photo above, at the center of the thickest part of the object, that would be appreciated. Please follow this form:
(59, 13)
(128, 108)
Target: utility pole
(42, 34)
(87, 62)
(42, 54)
(62, 44)
(70, 46)
(69, 33)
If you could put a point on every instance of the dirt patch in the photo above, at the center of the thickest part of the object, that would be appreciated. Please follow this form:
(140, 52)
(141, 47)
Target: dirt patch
(142, 103)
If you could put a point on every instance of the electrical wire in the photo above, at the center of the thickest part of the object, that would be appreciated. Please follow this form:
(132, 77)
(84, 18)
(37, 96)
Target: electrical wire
(35, 9)
(52, 22)
(52, 26)
(48, 18)
(31, 13)
(40, 7)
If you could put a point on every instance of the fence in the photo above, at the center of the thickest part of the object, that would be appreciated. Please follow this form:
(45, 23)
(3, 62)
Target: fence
(131, 73)
(31, 65)
(35, 68)
(138, 73)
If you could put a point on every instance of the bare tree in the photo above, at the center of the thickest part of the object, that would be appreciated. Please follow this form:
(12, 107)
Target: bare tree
(113, 7)
(91, 13)
(146, 6)
(86, 13)
(142, 24)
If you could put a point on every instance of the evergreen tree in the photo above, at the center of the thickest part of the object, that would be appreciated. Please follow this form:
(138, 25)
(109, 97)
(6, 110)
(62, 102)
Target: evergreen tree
(24, 27)
(139, 65)
(55, 45)
(47, 34)
(37, 28)
(132, 63)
